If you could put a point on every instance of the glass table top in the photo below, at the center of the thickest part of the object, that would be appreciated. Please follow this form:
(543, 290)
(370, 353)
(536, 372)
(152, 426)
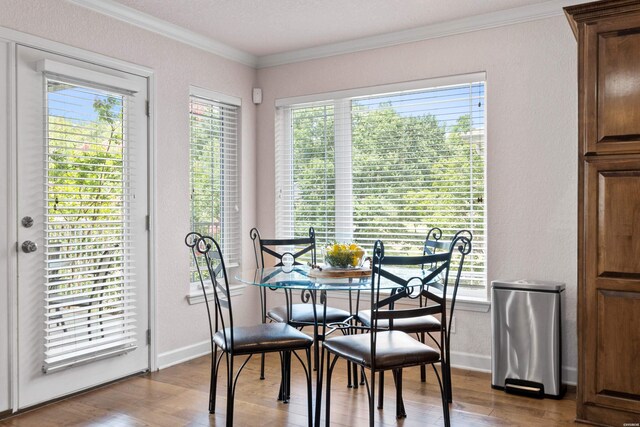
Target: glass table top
(297, 277)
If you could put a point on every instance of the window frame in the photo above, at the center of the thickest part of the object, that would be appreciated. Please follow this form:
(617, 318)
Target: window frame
(195, 294)
(284, 141)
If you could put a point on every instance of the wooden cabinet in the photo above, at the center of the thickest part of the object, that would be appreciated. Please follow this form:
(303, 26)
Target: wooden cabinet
(608, 34)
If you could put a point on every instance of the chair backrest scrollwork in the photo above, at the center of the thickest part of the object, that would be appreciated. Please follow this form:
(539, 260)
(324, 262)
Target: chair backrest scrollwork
(217, 281)
(411, 279)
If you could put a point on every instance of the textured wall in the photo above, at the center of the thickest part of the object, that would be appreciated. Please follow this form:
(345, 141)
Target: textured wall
(532, 137)
(531, 145)
(176, 66)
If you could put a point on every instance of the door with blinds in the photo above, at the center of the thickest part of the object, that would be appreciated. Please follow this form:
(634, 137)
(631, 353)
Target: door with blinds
(82, 225)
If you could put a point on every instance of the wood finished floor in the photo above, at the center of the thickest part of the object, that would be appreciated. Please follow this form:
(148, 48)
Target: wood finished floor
(177, 396)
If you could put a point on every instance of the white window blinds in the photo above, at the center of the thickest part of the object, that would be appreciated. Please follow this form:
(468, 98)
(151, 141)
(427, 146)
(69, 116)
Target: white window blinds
(386, 166)
(89, 299)
(214, 174)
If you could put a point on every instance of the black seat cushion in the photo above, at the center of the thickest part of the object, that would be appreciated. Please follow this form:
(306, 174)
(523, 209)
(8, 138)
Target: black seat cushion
(394, 349)
(263, 338)
(409, 325)
(303, 313)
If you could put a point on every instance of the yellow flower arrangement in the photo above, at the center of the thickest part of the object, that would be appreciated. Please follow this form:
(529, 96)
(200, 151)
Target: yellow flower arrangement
(343, 255)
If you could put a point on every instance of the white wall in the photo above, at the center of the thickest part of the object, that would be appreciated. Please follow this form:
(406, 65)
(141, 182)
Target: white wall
(531, 148)
(176, 66)
(532, 137)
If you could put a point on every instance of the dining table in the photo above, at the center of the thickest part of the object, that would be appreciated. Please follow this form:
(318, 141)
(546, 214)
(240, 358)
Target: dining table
(315, 290)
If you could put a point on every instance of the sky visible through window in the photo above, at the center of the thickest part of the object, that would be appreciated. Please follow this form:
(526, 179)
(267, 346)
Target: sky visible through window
(447, 103)
(66, 100)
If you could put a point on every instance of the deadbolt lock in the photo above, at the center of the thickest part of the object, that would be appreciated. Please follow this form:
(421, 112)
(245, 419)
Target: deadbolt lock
(27, 221)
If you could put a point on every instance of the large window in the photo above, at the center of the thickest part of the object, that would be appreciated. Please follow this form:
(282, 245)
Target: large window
(387, 164)
(214, 171)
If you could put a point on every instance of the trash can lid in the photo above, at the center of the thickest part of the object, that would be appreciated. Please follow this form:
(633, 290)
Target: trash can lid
(528, 284)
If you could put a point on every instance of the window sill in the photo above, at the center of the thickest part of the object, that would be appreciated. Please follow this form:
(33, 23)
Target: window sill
(473, 304)
(196, 296)
(463, 303)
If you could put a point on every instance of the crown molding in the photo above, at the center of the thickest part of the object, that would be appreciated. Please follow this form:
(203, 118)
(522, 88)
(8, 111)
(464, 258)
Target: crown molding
(167, 29)
(458, 26)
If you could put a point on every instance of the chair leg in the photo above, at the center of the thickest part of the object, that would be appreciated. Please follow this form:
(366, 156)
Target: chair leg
(330, 365)
(309, 391)
(397, 379)
(288, 382)
(316, 355)
(215, 365)
(355, 375)
(423, 368)
(288, 376)
(283, 393)
(447, 368)
(381, 391)
(229, 390)
(262, 366)
(281, 390)
(285, 384)
(372, 398)
(443, 393)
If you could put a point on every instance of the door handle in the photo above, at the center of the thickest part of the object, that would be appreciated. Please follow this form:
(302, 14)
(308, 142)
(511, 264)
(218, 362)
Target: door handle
(28, 246)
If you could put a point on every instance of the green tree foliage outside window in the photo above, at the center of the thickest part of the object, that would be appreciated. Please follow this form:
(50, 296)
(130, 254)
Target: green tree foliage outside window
(86, 194)
(417, 162)
(213, 179)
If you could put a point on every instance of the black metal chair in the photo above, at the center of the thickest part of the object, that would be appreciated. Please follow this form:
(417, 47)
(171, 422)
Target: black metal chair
(428, 325)
(432, 244)
(297, 315)
(241, 340)
(435, 297)
(385, 348)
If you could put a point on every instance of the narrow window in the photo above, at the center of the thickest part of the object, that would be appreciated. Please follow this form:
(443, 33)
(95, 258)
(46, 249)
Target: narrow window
(214, 173)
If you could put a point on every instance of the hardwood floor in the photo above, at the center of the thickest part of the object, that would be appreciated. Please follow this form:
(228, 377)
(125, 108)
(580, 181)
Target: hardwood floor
(177, 396)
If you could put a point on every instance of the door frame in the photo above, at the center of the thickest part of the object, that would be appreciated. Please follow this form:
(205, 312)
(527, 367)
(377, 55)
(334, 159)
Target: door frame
(16, 38)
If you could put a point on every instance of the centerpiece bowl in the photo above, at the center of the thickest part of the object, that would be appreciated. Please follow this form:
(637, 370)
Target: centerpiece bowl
(344, 255)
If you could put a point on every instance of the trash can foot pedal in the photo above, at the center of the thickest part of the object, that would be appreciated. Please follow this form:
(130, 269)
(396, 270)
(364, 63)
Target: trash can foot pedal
(523, 387)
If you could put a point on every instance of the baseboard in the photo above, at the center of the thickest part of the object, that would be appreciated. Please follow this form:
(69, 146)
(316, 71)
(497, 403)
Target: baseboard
(482, 363)
(459, 359)
(569, 375)
(183, 354)
(471, 361)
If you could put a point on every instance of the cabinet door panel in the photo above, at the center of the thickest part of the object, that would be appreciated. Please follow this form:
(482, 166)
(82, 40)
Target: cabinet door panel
(611, 331)
(619, 222)
(612, 47)
(618, 369)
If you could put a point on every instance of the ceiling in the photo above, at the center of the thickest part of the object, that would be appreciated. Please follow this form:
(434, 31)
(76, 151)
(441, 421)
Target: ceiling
(268, 27)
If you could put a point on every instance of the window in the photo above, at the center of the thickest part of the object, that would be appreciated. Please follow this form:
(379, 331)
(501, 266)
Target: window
(214, 171)
(90, 291)
(386, 163)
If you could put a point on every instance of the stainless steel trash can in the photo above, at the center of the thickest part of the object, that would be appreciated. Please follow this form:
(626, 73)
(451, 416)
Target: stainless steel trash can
(526, 355)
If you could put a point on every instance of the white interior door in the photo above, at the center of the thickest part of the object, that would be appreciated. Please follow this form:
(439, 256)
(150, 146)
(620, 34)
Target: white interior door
(82, 238)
